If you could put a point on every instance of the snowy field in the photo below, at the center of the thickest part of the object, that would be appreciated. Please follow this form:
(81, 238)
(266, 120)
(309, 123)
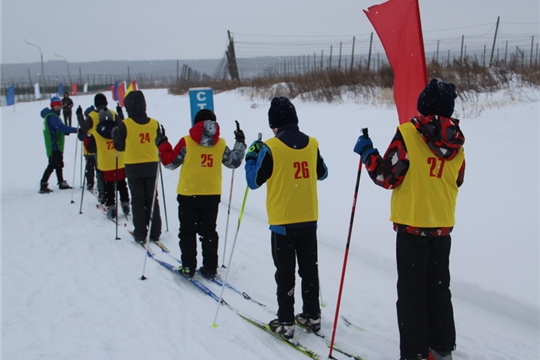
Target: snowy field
(71, 291)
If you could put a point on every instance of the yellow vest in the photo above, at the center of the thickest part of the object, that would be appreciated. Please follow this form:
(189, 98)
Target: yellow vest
(200, 173)
(94, 115)
(427, 195)
(106, 154)
(140, 142)
(291, 195)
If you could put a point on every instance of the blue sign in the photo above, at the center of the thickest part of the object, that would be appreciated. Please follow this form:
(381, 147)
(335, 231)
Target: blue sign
(61, 89)
(200, 98)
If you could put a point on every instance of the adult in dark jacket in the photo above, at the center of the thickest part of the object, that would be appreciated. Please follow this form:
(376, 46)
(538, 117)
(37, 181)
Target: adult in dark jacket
(67, 104)
(136, 136)
(290, 164)
(54, 131)
(199, 186)
(424, 166)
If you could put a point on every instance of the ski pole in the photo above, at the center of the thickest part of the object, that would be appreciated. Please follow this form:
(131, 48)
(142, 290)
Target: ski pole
(74, 169)
(163, 195)
(150, 222)
(365, 133)
(214, 324)
(116, 195)
(81, 164)
(229, 207)
(82, 194)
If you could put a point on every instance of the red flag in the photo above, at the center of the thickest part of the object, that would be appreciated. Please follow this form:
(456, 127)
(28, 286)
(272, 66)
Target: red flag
(121, 91)
(74, 89)
(134, 84)
(397, 22)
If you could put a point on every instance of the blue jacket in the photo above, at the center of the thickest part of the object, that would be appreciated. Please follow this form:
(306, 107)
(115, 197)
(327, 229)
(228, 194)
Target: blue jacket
(54, 130)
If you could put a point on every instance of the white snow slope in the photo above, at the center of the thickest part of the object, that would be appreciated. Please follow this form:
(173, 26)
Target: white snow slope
(71, 291)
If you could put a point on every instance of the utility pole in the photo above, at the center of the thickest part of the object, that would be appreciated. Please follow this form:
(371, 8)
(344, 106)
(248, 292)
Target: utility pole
(494, 40)
(69, 75)
(42, 68)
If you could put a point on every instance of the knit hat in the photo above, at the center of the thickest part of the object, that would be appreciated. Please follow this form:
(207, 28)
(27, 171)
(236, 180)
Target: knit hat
(135, 103)
(204, 114)
(437, 98)
(282, 112)
(100, 100)
(55, 100)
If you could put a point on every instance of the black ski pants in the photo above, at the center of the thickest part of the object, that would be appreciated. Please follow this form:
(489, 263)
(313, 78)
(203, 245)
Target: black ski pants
(142, 191)
(110, 195)
(424, 307)
(90, 169)
(198, 215)
(56, 163)
(299, 244)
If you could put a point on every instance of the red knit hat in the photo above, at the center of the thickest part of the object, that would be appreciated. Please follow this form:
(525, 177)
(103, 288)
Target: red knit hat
(55, 100)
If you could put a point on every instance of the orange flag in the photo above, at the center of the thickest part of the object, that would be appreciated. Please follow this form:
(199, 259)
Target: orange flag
(397, 22)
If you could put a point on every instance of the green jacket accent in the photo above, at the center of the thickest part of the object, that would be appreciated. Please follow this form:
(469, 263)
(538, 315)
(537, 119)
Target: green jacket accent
(52, 137)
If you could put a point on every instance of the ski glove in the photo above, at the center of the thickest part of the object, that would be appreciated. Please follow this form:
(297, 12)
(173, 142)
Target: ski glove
(239, 136)
(119, 111)
(364, 148)
(161, 138)
(254, 149)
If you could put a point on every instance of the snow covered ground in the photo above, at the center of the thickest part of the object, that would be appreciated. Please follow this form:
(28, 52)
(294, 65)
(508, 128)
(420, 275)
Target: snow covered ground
(71, 291)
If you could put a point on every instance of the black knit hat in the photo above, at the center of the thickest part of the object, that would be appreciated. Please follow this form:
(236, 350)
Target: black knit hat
(437, 98)
(204, 114)
(135, 103)
(282, 112)
(100, 100)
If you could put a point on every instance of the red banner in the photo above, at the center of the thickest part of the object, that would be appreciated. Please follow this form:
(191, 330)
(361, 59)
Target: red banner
(397, 22)
(121, 93)
(74, 89)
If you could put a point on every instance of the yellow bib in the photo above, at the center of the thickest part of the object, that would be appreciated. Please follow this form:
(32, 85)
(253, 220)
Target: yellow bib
(200, 173)
(106, 154)
(427, 195)
(292, 189)
(140, 142)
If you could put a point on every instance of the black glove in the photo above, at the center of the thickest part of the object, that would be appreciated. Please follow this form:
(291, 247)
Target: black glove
(161, 138)
(79, 111)
(239, 134)
(119, 111)
(254, 150)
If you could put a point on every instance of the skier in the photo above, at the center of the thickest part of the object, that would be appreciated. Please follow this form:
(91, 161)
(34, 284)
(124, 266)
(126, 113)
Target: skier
(424, 166)
(67, 104)
(54, 131)
(136, 136)
(88, 123)
(110, 163)
(290, 164)
(199, 186)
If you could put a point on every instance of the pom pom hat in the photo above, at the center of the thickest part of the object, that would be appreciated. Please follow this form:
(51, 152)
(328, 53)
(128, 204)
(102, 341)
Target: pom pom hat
(437, 98)
(55, 101)
(282, 112)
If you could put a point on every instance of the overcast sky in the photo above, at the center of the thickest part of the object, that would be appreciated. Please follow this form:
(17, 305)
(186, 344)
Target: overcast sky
(92, 30)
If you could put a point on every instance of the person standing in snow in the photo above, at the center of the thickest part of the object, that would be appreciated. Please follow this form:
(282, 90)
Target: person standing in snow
(88, 123)
(136, 136)
(54, 131)
(110, 163)
(200, 154)
(67, 104)
(424, 166)
(290, 164)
